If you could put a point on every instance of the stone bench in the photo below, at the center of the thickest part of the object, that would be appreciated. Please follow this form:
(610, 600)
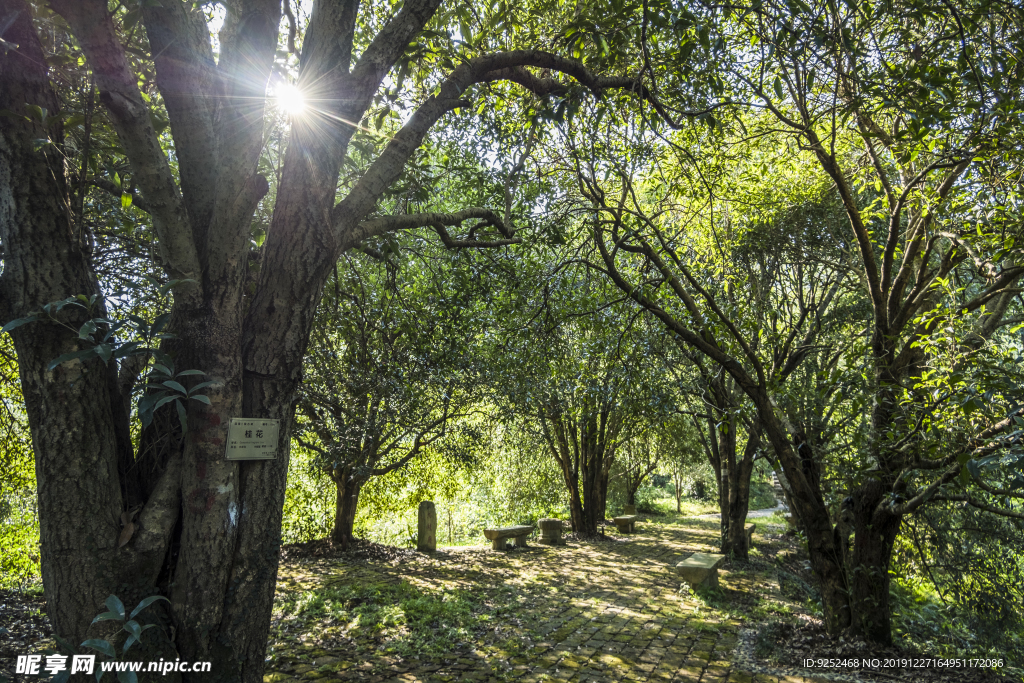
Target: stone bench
(626, 524)
(518, 535)
(550, 531)
(700, 570)
(749, 529)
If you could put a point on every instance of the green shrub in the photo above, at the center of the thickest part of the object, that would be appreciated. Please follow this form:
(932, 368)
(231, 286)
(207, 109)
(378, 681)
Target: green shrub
(647, 499)
(762, 495)
(19, 538)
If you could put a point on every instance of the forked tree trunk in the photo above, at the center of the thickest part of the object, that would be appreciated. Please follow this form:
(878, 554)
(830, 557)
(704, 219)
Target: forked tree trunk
(69, 408)
(76, 411)
(577, 516)
(736, 542)
(583, 449)
(812, 514)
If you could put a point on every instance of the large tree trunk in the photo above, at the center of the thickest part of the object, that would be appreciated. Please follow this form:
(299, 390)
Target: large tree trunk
(69, 408)
(346, 503)
(577, 516)
(590, 494)
(583, 450)
(875, 533)
(76, 411)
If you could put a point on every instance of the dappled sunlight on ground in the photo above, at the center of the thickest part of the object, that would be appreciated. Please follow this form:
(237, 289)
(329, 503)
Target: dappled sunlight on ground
(603, 610)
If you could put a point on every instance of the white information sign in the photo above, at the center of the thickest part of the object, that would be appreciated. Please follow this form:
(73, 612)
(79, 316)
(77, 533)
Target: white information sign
(252, 439)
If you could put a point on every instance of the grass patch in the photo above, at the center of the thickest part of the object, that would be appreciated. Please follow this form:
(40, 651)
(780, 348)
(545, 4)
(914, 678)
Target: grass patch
(691, 507)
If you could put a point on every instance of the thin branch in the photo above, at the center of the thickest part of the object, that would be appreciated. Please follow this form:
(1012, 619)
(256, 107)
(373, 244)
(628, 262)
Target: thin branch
(115, 191)
(1002, 512)
(93, 26)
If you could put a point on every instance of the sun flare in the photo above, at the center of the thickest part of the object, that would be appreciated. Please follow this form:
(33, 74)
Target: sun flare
(290, 99)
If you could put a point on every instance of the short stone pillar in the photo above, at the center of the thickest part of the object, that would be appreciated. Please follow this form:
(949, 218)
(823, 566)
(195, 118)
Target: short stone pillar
(630, 510)
(700, 569)
(550, 531)
(426, 530)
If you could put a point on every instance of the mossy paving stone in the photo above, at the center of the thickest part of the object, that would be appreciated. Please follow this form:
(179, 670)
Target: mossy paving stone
(585, 611)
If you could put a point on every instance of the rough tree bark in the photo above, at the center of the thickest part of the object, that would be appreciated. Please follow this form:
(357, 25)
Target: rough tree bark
(345, 505)
(736, 542)
(732, 473)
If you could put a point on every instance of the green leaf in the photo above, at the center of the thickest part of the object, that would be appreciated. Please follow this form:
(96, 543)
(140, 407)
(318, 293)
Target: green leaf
(164, 401)
(171, 284)
(132, 627)
(202, 399)
(201, 385)
(182, 415)
(171, 384)
(129, 349)
(146, 602)
(159, 322)
(114, 604)
(107, 616)
(104, 351)
(161, 369)
(974, 469)
(100, 646)
(65, 357)
(126, 200)
(15, 324)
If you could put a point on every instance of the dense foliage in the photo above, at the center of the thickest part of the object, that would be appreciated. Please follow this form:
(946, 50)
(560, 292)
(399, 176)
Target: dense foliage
(535, 260)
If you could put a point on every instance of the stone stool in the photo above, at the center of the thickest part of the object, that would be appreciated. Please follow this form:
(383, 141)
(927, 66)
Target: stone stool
(700, 570)
(550, 531)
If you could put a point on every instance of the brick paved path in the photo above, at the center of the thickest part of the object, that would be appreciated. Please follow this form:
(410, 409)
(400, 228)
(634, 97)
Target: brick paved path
(588, 611)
